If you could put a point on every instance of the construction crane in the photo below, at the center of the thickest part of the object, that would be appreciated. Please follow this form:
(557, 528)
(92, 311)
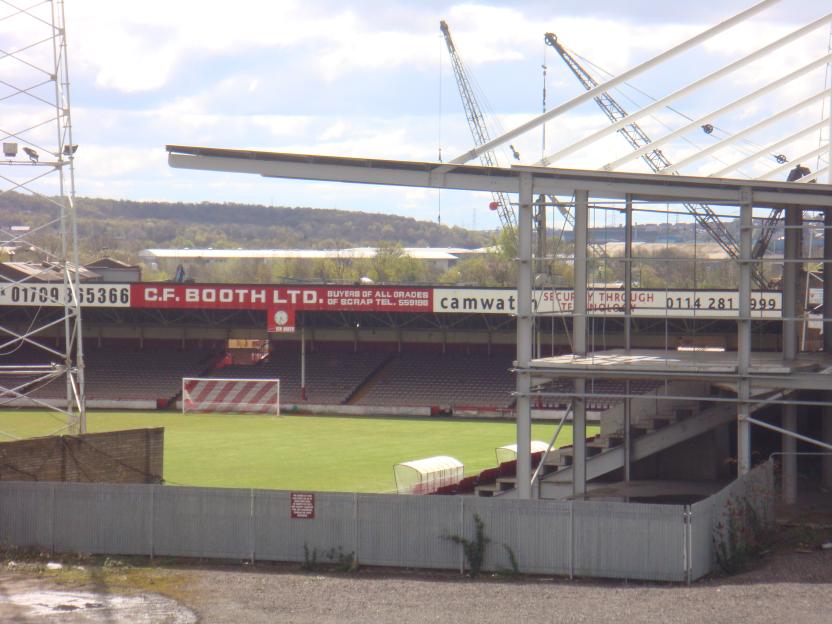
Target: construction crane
(655, 159)
(479, 130)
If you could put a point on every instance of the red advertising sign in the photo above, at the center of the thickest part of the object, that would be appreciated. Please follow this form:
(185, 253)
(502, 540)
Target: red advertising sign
(253, 297)
(302, 505)
(281, 320)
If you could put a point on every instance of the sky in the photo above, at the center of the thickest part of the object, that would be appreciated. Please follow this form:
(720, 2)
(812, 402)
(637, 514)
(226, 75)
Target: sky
(372, 78)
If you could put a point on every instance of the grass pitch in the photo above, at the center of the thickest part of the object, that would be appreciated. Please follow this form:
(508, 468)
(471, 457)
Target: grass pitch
(319, 453)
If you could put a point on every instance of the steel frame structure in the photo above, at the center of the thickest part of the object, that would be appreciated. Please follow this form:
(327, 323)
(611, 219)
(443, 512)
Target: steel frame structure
(650, 150)
(38, 157)
(757, 383)
(651, 154)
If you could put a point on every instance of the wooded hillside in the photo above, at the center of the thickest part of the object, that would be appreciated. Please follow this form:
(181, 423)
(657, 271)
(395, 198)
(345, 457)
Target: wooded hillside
(122, 228)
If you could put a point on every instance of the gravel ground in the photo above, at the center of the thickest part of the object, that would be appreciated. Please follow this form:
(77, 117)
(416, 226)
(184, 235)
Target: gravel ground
(788, 586)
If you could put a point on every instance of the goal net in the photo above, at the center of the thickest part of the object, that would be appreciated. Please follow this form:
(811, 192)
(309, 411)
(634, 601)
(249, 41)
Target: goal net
(203, 394)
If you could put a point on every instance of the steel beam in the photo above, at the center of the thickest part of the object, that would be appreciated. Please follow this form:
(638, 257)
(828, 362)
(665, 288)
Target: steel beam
(696, 124)
(766, 151)
(606, 86)
(550, 181)
(738, 136)
(663, 102)
(797, 160)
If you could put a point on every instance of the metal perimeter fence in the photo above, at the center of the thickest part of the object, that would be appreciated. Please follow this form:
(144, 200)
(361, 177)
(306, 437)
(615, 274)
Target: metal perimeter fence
(569, 538)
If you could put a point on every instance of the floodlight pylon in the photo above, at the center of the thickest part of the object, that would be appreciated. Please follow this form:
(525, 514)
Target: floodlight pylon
(41, 349)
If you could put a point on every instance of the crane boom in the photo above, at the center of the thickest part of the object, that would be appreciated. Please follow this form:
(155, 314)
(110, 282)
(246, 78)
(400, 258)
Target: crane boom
(476, 123)
(655, 159)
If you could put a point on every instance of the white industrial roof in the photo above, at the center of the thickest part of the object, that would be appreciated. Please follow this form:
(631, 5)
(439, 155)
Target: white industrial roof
(355, 253)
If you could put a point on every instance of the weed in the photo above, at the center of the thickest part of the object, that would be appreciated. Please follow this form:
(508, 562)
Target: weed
(344, 561)
(741, 537)
(514, 567)
(474, 550)
(340, 560)
(310, 558)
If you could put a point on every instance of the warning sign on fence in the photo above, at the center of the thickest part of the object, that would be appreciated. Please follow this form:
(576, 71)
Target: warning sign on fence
(302, 505)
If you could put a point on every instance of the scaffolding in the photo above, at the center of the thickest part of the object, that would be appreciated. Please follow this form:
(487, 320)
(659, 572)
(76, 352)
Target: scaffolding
(39, 249)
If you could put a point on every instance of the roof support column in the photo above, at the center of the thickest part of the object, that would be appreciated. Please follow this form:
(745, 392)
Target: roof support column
(628, 287)
(525, 321)
(579, 346)
(791, 291)
(826, 415)
(744, 334)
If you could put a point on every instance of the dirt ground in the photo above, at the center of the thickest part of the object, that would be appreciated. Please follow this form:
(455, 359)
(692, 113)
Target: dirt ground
(791, 583)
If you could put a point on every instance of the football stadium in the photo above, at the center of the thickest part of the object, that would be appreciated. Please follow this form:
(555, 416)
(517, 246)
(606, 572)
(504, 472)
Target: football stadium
(612, 412)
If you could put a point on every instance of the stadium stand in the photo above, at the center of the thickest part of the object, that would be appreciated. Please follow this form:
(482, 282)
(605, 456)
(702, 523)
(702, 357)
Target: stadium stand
(153, 373)
(332, 377)
(119, 372)
(444, 380)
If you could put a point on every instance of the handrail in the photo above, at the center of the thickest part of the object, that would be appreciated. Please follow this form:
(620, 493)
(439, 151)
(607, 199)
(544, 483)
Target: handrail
(551, 444)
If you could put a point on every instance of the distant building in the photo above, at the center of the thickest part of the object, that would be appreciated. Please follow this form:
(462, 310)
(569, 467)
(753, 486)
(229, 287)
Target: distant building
(112, 270)
(38, 272)
(441, 257)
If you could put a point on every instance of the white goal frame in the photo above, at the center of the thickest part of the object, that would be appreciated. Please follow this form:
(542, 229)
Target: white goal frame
(224, 394)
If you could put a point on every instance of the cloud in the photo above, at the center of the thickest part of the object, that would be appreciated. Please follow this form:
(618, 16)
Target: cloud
(363, 79)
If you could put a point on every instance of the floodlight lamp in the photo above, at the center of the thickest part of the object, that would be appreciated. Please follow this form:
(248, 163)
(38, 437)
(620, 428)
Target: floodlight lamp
(69, 150)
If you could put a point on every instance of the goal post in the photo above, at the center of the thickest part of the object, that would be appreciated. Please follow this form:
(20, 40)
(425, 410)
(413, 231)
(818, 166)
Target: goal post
(214, 394)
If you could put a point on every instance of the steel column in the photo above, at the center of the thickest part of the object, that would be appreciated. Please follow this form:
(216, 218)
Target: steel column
(744, 335)
(579, 346)
(791, 292)
(827, 279)
(628, 286)
(826, 413)
(303, 396)
(525, 336)
(826, 436)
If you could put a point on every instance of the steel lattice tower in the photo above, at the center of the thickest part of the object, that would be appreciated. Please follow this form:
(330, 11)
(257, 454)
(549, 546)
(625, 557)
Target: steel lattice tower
(41, 353)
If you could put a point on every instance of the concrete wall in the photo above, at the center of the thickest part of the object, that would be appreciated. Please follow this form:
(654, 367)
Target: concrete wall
(133, 456)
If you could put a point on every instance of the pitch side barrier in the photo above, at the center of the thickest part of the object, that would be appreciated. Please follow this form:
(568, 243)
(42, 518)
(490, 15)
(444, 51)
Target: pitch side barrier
(281, 302)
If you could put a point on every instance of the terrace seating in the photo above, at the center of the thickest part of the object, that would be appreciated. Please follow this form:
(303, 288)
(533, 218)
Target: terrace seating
(444, 380)
(331, 377)
(601, 386)
(125, 373)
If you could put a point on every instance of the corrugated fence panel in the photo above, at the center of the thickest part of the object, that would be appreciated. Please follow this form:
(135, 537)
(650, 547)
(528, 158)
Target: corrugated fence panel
(408, 531)
(202, 522)
(104, 519)
(629, 540)
(702, 549)
(537, 532)
(622, 540)
(26, 514)
(279, 537)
